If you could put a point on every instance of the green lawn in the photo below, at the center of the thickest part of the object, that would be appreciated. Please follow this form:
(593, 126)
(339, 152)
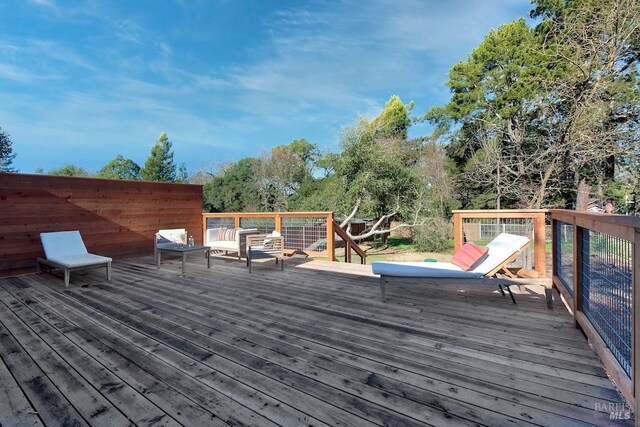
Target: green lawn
(395, 246)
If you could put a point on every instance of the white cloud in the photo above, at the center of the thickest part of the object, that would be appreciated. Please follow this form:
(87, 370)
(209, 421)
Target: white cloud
(16, 74)
(45, 3)
(315, 71)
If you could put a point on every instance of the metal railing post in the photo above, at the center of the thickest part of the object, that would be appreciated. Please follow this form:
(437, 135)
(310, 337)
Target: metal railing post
(577, 272)
(635, 358)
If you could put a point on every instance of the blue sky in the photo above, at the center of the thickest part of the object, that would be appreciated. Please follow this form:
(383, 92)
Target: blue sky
(83, 81)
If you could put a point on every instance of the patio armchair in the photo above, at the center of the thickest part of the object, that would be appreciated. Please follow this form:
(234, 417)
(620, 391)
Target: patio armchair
(261, 246)
(502, 250)
(229, 239)
(169, 237)
(65, 250)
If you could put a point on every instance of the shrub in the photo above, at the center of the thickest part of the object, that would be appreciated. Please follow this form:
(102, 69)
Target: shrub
(433, 236)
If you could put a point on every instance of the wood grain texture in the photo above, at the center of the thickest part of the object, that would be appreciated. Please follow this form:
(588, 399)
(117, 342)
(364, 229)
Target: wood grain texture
(116, 218)
(307, 346)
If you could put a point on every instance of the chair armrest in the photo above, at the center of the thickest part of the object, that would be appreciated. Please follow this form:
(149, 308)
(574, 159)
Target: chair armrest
(241, 239)
(275, 243)
(256, 239)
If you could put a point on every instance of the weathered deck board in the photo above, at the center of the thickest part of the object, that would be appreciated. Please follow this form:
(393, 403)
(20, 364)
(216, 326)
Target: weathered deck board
(14, 406)
(305, 346)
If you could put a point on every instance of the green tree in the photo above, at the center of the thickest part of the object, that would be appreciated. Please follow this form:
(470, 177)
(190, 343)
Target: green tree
(69, 170)
(536, 111)
(490, 110)
(393, 122)
(120, 168)
(234, 189)
(594, 90)
(6, 152)
(376, 170)
(160, 166)
(307, 153)
(182, 175)
(376, 158)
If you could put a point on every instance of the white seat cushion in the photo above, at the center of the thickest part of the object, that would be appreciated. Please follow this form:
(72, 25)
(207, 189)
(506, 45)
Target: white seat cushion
(422, 269)
(80, 260)
(231, 245)
(59, 244)
(500, 248)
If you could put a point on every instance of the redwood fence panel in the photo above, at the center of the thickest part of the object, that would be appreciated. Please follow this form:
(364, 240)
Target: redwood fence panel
(116, 218)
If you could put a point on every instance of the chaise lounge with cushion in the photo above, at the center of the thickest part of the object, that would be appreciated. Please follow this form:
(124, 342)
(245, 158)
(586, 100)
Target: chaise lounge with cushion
(473, 265)
(229, 240)
(65, 250)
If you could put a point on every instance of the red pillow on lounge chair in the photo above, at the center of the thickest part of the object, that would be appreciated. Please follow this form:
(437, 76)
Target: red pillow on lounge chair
(469, 256)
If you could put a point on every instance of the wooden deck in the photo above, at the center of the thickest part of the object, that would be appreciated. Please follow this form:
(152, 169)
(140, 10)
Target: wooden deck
(308, 346)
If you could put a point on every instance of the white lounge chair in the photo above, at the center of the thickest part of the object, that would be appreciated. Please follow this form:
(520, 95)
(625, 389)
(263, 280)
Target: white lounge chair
(504, 249)
(65, 250)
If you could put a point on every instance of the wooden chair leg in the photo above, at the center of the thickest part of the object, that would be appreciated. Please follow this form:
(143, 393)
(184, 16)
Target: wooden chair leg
(511, 294)
(109, 272)
(67, 273)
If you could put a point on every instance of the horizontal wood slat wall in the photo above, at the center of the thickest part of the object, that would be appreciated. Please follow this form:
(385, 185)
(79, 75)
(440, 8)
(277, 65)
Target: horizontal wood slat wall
(116, 218)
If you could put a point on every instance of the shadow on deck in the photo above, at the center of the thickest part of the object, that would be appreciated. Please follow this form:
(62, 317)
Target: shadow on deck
(308, 346)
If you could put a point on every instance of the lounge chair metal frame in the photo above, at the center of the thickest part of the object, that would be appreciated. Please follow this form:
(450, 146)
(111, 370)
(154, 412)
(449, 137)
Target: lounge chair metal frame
(99, 261)
(68, 270)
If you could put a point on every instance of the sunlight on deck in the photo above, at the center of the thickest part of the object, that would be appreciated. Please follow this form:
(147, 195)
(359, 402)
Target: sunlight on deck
(308, 346)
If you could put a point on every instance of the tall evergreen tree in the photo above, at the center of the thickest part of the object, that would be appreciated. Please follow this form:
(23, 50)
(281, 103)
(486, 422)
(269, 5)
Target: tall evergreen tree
(6, 153)
(182, 175)
(160, 166)
(536, 113)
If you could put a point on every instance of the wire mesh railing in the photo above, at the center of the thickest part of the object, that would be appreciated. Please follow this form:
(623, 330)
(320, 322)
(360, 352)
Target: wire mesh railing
(482, 226)
(597, 271)
(305, 234)
(563, 253)
(483, 230)
(312, 233)
(264, 225)
(607, 291)
(220, 222)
